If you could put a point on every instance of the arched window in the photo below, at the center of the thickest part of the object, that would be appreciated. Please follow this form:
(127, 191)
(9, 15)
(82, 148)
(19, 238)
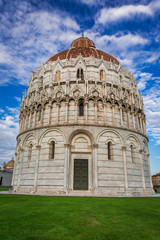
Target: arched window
(81, 107)
(101, 75)
(132, 153)
(51, 150)
(80, 73)
(29, 153)
(58, 76)
(41, 81)
(110, 150)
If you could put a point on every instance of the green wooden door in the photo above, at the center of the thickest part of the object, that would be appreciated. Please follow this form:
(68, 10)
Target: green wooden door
(80, 174)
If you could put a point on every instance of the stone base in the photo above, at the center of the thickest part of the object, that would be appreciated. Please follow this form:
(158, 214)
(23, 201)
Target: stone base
(96, 193)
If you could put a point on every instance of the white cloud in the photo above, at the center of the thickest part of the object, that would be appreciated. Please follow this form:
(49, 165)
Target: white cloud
(126, 11)
(9, 129)
(108, 15)
(152, 110)
(18, 99)
(92, 2)
(32, 37)
(143, 79)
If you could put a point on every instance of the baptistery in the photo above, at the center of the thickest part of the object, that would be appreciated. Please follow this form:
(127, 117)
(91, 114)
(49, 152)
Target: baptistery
(82, 128)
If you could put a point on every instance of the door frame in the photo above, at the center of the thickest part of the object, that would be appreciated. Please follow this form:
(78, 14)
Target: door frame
(74, 175)
(90, 170)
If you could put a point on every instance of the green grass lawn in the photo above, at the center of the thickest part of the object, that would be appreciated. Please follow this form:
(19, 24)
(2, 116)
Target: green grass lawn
(80, 218)
(3, 188)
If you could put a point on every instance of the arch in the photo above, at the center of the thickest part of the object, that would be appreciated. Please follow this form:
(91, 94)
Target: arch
(26, 138)
(113, 131)
(52, 139)
(51, 130)
(81, 131)
(80, 142)
(136, 139)
(81, 135)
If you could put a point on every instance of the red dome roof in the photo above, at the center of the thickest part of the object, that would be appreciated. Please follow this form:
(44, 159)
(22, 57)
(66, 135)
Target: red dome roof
(86, 48)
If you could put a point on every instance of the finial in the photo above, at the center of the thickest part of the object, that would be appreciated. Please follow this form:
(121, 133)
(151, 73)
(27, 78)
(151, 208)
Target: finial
(82, 34)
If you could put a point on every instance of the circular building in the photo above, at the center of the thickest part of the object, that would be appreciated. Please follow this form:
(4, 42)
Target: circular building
(82, 128)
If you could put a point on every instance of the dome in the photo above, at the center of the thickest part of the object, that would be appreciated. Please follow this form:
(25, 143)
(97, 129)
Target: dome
(10, 164)
(82, 42)
(85, 47)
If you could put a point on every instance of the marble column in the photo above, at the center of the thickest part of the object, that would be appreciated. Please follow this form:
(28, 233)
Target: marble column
(42, 110)
(34, 120)
(66, 168)
(95, 110)
(30, 117)
(26, 123)
(95, 167)
(86, 111)
(133, 116)
(49, 114)
(125, 168)
(20, 169)
(141, 123)
(113, 114)
(137, 122)
(76, 111)
(128, 118)
(36, 168)
(121, 116)
(104, 107)
(142, 172)
(66, 113)
(57, 117)
(22, 127)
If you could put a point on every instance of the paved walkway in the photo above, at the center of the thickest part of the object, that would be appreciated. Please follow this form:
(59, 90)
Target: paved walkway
(74, 195)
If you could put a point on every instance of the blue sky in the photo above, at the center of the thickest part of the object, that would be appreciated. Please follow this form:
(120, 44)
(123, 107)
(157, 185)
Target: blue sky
(33, 31)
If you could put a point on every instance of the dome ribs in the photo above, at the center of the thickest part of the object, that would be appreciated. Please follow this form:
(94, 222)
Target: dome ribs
(86, 48)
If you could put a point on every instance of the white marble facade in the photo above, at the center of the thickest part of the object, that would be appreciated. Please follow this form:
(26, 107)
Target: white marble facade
(82, 107)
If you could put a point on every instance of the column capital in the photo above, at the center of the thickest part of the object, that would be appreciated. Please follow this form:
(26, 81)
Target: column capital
(67, 145)
(140, 151)
(50, 105)
(38, 146)
(123, 147)
(94, 145)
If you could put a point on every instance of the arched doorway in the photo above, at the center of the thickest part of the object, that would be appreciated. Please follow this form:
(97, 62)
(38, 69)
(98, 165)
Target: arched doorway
(81, 163)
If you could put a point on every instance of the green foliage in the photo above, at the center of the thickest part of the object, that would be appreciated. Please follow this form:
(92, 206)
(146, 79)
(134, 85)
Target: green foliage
(78, 218)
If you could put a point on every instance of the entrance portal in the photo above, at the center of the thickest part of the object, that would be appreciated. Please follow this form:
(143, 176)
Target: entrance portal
(80, 174)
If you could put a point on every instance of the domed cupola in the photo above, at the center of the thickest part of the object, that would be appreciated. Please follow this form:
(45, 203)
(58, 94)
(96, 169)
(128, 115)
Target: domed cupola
(82, 42)
(85, 47)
